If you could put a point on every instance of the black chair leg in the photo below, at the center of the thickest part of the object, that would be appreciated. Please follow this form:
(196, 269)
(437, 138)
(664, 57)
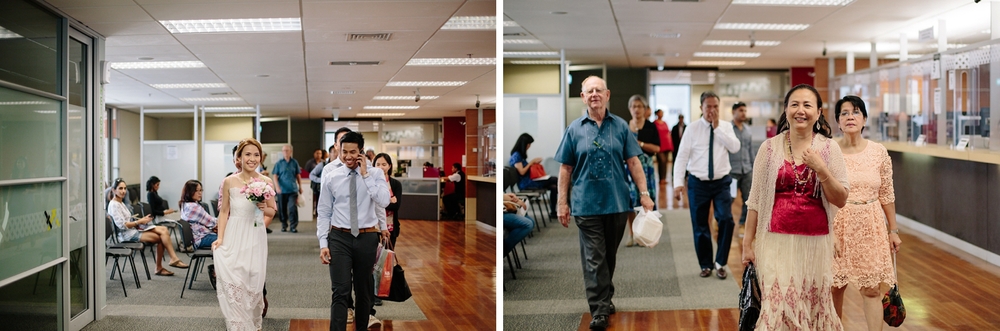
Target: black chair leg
(510, 264)
(142, 252)
(120, 279)
(135, 274)
(517, 260)
(184, 284)
(523, 251)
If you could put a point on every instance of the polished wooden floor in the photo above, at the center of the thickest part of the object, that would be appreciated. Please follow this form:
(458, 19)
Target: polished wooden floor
(942, 289)
(451, 270)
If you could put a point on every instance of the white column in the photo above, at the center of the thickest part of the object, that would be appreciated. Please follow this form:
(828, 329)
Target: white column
(873, 57)
(994, 80)
(850, 62)
(903, 51)
(942, 37)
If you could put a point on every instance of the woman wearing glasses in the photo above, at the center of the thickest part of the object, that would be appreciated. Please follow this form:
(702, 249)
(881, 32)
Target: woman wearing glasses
(133, 230)
(860, 226)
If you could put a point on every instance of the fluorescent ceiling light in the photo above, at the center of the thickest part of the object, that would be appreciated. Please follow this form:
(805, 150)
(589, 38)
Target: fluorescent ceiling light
(22, 103)
(726, 54)
(228, 108)
(7, 34)
(427, 83)
(157, 65)
(471, 23)
(522, 41)
(46, 111)
(461, 61)
(761, 26)
(716, 63)
(510, 24)
(793, 2)
(666, 35)
(235, 115)
(530, 54)
(740, 43)
(556, 62)
(934, 45)
(212, 99)
(189, 85)
(342, 92)
(233, 25)
(404, 97)
(392, 107)
(908, 56)
(379, 114)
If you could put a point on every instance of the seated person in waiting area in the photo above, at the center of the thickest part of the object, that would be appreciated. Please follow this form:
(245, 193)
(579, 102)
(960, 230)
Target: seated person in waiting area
(132, 230)
(203, 224)
(515, 224)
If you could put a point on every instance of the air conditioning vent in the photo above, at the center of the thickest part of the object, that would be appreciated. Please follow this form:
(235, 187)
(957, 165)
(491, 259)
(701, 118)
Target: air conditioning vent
(515, 34)
(685, 0)
(368, 36)
(222, 93)
(650, 0)
(355, 63)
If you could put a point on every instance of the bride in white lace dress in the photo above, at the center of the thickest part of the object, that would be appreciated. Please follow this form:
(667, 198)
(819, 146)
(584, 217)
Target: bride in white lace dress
(240, 253)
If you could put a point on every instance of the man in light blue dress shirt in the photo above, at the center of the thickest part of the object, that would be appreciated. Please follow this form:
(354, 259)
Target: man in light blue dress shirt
(593, 153)
(349, 229)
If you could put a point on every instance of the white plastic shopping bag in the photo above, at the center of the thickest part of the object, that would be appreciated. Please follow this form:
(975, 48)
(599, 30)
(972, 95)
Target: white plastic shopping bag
(647, 228)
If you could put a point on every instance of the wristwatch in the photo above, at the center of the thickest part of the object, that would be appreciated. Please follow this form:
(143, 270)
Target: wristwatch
(642, 144)
(644, 193)
(896, 231)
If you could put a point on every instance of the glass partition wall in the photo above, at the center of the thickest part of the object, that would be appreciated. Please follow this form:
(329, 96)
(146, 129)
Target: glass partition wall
(939, 99)
(49, 199)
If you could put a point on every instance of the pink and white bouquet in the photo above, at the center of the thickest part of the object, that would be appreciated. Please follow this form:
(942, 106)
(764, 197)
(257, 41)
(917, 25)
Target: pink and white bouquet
(257, 190)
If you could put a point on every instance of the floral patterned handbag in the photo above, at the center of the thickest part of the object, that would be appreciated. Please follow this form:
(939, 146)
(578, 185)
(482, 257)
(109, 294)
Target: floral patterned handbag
(893, 312)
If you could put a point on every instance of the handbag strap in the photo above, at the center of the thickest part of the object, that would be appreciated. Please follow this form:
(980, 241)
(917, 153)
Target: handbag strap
(895, 271)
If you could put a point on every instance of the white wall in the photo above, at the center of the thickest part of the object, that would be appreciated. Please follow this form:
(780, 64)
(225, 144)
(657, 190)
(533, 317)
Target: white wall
(546, 124)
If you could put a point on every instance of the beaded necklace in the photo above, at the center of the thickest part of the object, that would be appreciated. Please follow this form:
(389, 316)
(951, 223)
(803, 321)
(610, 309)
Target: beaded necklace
(807, 174)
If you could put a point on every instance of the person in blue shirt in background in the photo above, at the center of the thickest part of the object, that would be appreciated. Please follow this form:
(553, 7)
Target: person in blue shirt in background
(286, 174)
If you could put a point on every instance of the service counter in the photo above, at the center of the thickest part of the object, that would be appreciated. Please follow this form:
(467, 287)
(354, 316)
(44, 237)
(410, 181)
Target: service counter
(486, 199)
(421, 198)
(950, 190)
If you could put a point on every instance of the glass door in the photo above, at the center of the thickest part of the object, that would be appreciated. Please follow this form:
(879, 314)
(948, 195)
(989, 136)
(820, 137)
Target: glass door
(80, 180)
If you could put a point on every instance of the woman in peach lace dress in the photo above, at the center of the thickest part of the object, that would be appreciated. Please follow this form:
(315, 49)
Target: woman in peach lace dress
(799, 181)
(860, 227)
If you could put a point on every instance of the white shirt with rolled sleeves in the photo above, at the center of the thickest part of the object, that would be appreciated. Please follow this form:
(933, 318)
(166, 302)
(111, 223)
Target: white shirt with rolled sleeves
(334, 207)
(692, 154)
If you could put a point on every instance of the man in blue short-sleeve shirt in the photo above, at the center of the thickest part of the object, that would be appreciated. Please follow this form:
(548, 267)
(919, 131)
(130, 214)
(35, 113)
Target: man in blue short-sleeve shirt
(286, 174)
(593, 152)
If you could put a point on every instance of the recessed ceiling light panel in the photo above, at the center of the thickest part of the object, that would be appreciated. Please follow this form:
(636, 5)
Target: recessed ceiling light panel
(189, 85)
(556, 62)
(233, 25)
(716, 63)
(427, 83)
(726, 54)
(461, 61)
(471, 23)
(7, 34)
(666, 35)
(22, 103)
(761, 26)
(740, 43)
(380, 114)
(404, 97)
(211, 99)
(391, 107)
(510, 24)
(235, 115)
(522, 41)
(530, 54)
(157, 65)
(793, 2)
(227, 108)
(342, 92)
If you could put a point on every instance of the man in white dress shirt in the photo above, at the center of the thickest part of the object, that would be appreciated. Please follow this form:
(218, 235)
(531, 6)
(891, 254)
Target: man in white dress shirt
(704, 154)
(349, 229)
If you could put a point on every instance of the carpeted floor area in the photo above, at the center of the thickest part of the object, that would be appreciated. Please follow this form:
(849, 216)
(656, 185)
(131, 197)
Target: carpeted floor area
(548, 293)
(298, 288)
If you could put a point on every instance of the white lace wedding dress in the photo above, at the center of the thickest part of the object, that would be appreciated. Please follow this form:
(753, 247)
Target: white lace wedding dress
(241, 265)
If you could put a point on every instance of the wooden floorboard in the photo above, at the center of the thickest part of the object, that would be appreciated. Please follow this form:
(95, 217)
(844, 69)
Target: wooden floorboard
(942, 289)
(451, 270)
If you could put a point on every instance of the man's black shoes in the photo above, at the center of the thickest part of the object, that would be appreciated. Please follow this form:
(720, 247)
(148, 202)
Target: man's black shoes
(599, 323)
(612, 310)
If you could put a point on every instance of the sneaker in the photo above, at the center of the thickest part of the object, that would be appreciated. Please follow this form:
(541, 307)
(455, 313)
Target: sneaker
(350, 315)
(374, 322)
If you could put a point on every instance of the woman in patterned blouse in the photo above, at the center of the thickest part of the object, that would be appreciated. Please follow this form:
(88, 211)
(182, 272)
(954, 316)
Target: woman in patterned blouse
(203, 224)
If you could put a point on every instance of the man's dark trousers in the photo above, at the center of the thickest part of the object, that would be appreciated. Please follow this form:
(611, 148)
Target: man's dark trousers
(351, 257)
(701, 195)
(288, 211)
(600, 236)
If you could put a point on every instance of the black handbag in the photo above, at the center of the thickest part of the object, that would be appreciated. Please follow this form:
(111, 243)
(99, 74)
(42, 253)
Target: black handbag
(749, 299)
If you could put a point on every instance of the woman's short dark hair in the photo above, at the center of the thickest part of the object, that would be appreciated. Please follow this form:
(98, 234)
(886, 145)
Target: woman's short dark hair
(521, 146)
(821, 126)
(457, 165)
(187, 193)
(152, 181)
(856, 102)
(388, 159)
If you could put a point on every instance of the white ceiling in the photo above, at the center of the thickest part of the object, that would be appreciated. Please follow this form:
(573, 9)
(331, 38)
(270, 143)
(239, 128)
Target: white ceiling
(617, 32)
(298, 63)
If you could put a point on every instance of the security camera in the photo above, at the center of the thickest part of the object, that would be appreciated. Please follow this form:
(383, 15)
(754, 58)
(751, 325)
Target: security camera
(417, 99)
(824, 48)
(477, 103)
(753, 43)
